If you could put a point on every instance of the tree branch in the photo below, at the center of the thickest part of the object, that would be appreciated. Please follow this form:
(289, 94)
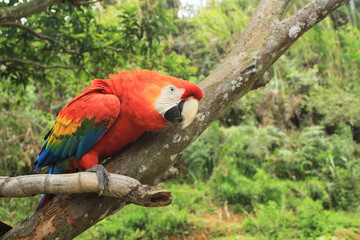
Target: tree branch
(28, 8)
(36, 34)
(286, 32)
(47, 38)
(262, 42)
(86, 2)
(29, 30)
(114, 49)
(119, 186)
(37, 64)
(25, 9)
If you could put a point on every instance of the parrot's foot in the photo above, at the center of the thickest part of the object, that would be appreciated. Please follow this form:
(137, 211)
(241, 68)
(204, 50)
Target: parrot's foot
(103, 176)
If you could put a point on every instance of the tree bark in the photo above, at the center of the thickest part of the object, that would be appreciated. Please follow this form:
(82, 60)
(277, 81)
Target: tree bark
(26, 9)
(263, 41)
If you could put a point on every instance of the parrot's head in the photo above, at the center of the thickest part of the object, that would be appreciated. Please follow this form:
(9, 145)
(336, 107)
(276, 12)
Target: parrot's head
(163, 99)
(178, 101)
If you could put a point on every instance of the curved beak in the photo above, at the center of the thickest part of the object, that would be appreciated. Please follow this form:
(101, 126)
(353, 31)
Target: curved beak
(183, 113)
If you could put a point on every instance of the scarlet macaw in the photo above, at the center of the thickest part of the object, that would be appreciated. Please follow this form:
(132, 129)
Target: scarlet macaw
(111, 113)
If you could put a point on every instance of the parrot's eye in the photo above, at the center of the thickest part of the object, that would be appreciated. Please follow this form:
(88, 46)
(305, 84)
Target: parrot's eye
(172, 89)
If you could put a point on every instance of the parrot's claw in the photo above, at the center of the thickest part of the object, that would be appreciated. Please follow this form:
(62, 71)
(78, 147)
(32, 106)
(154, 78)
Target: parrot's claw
(103, 176)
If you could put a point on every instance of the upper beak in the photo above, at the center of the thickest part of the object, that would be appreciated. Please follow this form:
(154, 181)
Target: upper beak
(183, 113)
(189, 111)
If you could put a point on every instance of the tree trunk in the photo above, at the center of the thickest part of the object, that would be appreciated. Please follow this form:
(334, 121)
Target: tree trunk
(150, 159)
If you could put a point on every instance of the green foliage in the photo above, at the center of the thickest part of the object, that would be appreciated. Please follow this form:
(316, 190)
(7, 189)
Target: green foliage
(239, 165)
(307, 221)
(21, 131)
(341, 104)
(137, 223)
(204, 155)
(15, 210)
(272, 221)
(246, 146)
(209, 35)
(84, 47)
(345, 190)
(245, 193)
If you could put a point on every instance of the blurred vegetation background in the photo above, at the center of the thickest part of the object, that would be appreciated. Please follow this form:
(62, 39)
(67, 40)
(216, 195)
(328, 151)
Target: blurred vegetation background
(282, 163)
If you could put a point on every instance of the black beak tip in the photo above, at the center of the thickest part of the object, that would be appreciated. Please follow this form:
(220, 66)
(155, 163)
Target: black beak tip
(174, 114)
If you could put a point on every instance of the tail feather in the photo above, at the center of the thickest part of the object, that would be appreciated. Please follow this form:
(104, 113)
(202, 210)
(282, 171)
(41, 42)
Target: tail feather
(44, 200)
(47, 197)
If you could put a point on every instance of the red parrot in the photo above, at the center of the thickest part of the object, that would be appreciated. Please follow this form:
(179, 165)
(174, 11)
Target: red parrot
(111, 113)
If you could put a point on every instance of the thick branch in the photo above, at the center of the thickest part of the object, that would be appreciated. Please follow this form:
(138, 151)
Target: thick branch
(119, 186)
(37, 64)
(28, 8)
(25, 9)
(263, 41)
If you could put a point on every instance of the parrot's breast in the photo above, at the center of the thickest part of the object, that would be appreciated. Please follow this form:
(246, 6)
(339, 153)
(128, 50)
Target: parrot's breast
(127, 128)
(120, 134)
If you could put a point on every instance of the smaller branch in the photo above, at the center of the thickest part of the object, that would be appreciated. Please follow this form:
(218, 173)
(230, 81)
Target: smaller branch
(36, 34)
(50, 39)
(308, 16)
(119, 186)
(29, 30)
(262, 81)
(113, 49)
(37, 64)
(86, 2)
(282, 8)
(285, 32)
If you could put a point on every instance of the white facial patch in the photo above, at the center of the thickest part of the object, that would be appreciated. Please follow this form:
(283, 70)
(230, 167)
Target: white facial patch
(170, 97)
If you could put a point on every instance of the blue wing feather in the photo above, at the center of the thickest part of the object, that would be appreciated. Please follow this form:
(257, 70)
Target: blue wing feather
(88, 141)
(66, 153)
(74, 146)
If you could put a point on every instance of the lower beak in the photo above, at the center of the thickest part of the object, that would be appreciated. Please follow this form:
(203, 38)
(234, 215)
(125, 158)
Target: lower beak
(183, 113)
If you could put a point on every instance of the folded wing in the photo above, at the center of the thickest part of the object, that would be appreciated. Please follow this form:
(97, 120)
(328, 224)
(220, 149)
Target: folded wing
(78, 127)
